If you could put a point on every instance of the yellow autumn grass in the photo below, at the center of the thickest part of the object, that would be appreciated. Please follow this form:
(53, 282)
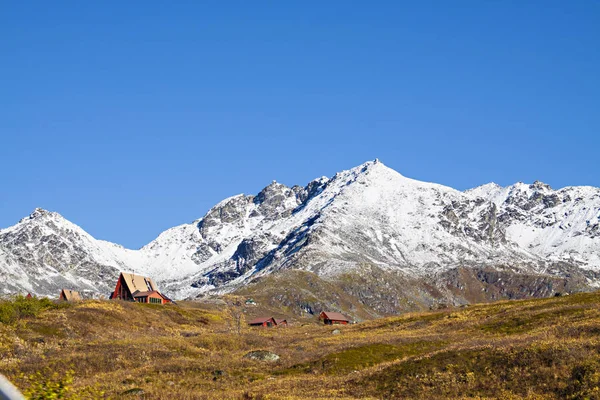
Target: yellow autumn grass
(533, 349)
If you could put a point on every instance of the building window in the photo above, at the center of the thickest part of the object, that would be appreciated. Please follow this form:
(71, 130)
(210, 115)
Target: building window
(155, 301)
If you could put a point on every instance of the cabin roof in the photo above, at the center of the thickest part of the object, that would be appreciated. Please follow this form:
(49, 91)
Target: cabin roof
(261, 320)
(70, 295)
(280, 321)
(138, 283)
(336, 316)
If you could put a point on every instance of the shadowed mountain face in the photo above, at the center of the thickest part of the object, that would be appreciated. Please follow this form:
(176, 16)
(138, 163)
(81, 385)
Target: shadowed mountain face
(406, 241)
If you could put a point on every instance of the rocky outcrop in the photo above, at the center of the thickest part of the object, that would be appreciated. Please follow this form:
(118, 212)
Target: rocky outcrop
(262, 355)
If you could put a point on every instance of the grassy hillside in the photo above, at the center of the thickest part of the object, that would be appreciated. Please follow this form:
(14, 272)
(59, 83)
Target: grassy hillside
(543, 348)
(369, 292)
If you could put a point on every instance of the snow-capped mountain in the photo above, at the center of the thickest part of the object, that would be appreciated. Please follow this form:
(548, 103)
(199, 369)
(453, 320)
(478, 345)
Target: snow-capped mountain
(553, 224)
(44, 253)
(366, 217)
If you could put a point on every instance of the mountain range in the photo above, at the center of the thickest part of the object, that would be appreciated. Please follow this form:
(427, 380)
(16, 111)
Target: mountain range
(371, 240)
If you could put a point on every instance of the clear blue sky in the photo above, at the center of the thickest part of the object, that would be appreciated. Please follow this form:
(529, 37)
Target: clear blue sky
(132, 117)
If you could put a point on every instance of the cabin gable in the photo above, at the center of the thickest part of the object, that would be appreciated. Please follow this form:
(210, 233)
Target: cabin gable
(141, 289)
(121, 290)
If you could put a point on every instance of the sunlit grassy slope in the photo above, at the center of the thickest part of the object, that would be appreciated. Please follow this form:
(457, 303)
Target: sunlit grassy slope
(543, 348)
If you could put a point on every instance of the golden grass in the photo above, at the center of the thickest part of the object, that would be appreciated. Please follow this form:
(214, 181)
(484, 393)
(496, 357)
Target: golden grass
(536, 349)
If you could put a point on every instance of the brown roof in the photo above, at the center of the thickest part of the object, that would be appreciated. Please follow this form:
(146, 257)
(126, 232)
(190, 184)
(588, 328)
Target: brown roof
(139, 283)
(281, 321)
(336, 316)
(261, 320)
(70, 295)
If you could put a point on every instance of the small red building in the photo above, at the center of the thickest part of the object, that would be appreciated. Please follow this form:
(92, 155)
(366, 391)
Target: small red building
(29, 296)
(138, 288)
(281, 322)
(267, 322)
(154, 297)
(333, 318)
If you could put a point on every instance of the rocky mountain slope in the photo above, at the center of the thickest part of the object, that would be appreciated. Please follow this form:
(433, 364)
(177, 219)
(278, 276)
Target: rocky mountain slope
(365, 223)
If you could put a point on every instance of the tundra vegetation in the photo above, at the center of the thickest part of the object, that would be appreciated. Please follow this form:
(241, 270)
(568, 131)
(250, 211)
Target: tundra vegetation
(532, 349)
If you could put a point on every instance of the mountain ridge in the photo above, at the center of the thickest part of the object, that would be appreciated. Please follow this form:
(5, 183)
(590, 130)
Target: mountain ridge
(368, 215)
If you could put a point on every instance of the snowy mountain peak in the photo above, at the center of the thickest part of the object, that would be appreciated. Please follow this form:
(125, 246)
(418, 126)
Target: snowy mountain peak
(42, 218)
(483, 189)
(540, 186)
(490, 191)
(39, 212)
(371, 171)
(372, 165)
(369, 215)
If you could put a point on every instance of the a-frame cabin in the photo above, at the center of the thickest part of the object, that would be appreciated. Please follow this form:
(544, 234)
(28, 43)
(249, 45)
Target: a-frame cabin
(138, 288)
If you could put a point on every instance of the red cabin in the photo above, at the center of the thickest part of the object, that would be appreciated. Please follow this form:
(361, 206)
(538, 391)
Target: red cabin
(267, 322)
(333, 318)
(138, 288)
(281, 322)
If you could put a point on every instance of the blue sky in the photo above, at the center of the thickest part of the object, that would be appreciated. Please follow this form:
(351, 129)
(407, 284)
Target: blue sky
(132, 117)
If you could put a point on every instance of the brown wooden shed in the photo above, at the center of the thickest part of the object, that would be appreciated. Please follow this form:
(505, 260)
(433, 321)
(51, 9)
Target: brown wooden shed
(333, 318)
(69, 295)
(267, 322)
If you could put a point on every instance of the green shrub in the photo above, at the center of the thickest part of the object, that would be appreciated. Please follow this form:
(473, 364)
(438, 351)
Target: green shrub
(8, 313)
(22, 307)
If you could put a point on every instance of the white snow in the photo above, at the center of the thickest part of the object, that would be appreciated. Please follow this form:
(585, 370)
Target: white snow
(368, 214)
